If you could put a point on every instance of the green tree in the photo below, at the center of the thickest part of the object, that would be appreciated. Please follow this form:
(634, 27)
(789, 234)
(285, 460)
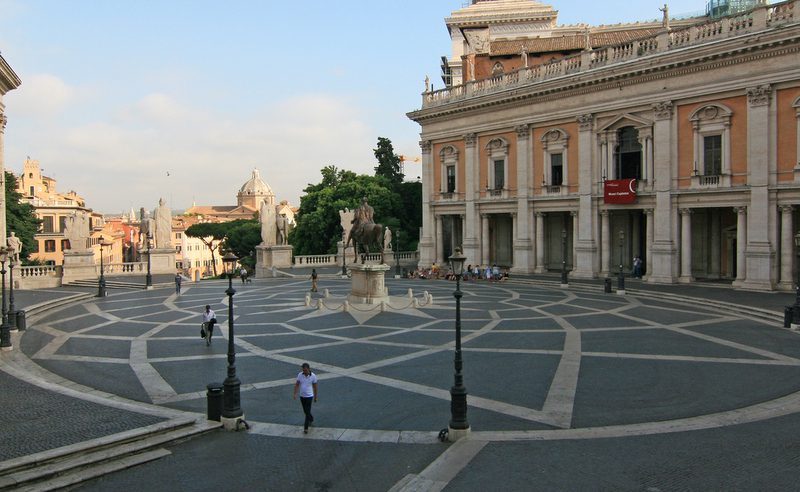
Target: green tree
(212, 234)
(20, 218)
(388, 162)
(242, 237)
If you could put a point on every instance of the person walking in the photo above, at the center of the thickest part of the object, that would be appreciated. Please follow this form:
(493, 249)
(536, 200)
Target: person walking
(178, 280)
(209, 320)
(313, 280)
(306, 384)
(243, 274)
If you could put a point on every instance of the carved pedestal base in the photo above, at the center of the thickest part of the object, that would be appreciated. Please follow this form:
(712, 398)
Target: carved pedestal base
(368, 284)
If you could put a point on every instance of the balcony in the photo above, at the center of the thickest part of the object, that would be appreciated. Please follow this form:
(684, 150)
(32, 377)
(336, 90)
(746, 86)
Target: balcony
(710, 181)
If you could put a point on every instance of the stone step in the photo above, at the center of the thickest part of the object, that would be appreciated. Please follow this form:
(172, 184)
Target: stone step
(117, 284)
(72, 464)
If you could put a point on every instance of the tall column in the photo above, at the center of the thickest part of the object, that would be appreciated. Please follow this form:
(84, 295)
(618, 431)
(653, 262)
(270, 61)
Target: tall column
(439, 246)
(760, 251)
(648, 242)
(787, 248)
(485, 239)
(583, 240)
(605, 242)
(522, 237)
(427, 251)
(663, 255)
(686, 245)
(539, 268)
(471, 244)
(741, 245)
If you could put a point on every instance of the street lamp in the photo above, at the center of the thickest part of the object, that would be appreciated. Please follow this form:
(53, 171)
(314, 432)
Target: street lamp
(5, 330)
(458, 393)
(397, 254)
(564, 280)
(621, 285)
(101, 283)
(148, 279)
(796, 307)
(11, 315)
(231, 410)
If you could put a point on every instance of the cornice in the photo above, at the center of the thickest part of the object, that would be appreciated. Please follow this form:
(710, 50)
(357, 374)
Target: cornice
(669, 64)
(8, 79)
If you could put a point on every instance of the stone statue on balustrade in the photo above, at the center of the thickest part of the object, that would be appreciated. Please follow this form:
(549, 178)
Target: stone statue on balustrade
(163, 225)
(387, 240)
(14, 247)
(269, 224)
(76, 231)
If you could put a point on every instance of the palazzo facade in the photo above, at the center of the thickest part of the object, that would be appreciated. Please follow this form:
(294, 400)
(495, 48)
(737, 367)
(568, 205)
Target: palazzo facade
(702, 116)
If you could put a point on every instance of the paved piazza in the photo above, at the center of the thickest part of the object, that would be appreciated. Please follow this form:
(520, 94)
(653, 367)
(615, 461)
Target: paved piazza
(541, 363)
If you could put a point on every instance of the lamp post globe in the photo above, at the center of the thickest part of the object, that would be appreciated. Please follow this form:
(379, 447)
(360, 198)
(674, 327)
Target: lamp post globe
(5, 330)
(621, 280)
(231, 408)
(458, 393)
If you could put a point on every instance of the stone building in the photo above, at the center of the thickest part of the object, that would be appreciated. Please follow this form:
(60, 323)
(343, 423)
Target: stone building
(674, 141)
(8, 82)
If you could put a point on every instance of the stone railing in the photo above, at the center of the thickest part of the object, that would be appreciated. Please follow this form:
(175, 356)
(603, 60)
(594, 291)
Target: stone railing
(317, 260)
(37, 271)
(403, 257)
(136, 268)
(760, 18)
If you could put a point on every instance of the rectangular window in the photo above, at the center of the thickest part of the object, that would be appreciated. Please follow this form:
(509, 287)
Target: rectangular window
(50, 245)
(47, 224)
(451, 179)
(33, 191)
(712, 155)
(499, 174)
(556, 169)
(62, 224)
(65, 244)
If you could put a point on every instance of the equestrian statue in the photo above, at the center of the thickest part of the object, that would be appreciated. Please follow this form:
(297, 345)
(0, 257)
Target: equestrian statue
(365, 232)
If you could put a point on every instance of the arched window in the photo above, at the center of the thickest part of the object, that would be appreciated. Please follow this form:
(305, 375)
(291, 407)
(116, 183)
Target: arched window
(628, 154)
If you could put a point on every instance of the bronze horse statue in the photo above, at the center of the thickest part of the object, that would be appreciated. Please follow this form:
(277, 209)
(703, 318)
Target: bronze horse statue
(366, 236)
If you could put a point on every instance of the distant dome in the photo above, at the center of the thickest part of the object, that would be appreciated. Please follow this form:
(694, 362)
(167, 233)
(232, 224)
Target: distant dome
(255, 186)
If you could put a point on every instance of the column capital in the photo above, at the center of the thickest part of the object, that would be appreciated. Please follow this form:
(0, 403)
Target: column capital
(425, 146)
(513, 215)
(573, 213)
(786, 209)
(648, 211)
(740, 210)
(3, 121)
(663, 110)
(470, 139)
(484, 216)
(759, 96)
(523, 131)
(539, 215)
(585, 122)
(686, 211)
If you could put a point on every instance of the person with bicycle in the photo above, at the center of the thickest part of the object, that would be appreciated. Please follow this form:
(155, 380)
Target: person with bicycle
(209, 319)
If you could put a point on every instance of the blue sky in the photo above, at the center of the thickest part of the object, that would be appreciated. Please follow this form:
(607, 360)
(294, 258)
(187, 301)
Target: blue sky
(129, 101)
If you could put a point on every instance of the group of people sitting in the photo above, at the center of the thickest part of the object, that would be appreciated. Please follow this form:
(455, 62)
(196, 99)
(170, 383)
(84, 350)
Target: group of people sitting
(472, 272)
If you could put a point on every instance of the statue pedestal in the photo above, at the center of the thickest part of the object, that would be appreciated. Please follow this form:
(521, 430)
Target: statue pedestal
(368, 284)
(268, 257)
(161, 260)
(79, 266)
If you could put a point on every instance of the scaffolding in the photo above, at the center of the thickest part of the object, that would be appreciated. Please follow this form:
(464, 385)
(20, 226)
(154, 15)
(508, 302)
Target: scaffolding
(721, 8)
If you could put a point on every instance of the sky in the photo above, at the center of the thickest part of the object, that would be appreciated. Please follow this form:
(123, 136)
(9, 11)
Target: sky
(127, 102)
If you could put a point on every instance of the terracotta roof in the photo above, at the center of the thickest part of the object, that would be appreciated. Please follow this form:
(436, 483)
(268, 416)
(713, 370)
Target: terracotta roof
(569, 43)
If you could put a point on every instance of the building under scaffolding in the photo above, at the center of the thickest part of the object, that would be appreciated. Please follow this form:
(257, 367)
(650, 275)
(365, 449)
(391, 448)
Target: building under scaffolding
(721, 8)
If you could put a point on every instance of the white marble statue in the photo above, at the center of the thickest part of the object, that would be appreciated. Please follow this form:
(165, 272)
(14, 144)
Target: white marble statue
(163, 223)
(346, 217)
(76, 231)
(269, 225)
(387, 239)
(282, 227)
(14, 247)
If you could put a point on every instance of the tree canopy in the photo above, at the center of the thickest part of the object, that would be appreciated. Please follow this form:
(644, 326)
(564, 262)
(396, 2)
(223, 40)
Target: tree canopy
(397, 205)
(20, 218)
(212, 234)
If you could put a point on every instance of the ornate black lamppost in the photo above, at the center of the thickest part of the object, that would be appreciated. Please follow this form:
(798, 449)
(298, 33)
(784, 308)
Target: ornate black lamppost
(231, 409)
(148, 279)
(101, 284)
(621, 284)
(5, 330)
(397, 254)
(459, 426)
(564, 280)
(12, 310)
(344, 258)
(796, 307)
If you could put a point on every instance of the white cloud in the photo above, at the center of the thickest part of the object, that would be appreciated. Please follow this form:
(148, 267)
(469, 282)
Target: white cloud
(42, 95)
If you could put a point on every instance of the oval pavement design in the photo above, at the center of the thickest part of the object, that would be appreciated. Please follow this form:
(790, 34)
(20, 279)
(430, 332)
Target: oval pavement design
(539, 362)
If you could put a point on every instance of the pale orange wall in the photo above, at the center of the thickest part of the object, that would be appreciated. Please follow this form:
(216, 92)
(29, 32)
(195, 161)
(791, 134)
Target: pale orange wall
(511, 178)
(787, 133)
(437, 167)
(572, 155)
(738, 105)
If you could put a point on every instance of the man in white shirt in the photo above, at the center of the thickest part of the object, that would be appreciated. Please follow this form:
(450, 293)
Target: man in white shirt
(306, 383)
(209, 319)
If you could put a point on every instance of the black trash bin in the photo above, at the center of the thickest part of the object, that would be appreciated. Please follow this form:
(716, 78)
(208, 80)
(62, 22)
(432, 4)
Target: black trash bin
(788, 315)
(214, 397)
(21, 320)
(607, 285)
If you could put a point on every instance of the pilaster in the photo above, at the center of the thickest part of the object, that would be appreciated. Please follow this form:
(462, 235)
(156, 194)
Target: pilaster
(663, 254)
(584, 241)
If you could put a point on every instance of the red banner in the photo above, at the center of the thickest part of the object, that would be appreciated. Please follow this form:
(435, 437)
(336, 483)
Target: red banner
(620, 191)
